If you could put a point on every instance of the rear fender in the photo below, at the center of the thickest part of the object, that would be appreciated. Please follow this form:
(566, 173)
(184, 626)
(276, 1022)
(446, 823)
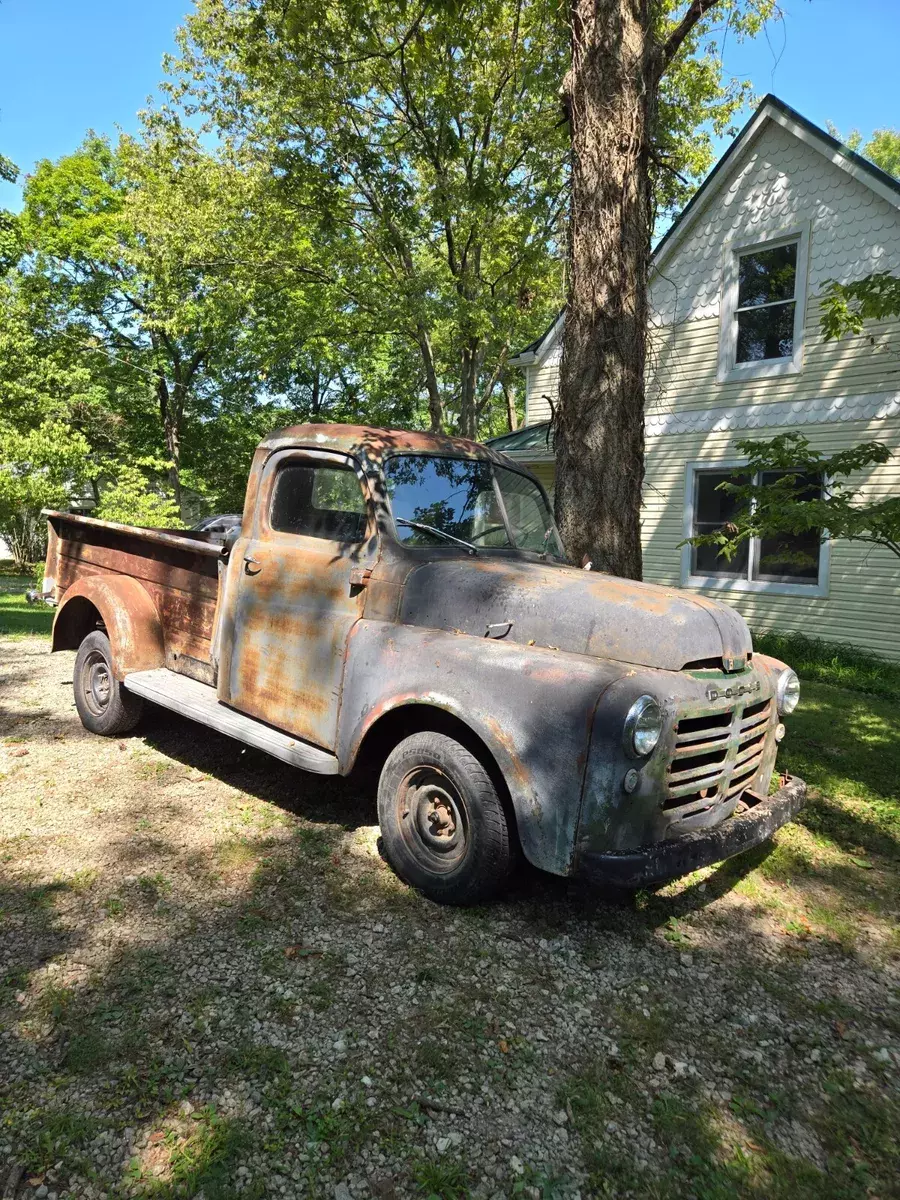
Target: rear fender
(129, 617)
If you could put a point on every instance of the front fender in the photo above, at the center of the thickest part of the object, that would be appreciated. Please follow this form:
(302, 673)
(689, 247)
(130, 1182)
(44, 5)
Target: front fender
(532, 707)
(128, 613)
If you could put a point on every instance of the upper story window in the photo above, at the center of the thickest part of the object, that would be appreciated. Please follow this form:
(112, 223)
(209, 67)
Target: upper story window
(763, 300)
(790, 563)
(766, 302)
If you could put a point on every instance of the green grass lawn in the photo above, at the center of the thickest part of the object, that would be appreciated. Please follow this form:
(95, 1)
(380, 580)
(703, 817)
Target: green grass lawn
(835, 872)
(17, 616)
(839, 865)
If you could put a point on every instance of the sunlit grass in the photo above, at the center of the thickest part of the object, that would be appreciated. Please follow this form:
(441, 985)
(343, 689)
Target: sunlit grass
(17, 616)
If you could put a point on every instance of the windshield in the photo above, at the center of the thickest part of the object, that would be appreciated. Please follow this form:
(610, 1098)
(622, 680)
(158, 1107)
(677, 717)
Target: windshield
(476, 501)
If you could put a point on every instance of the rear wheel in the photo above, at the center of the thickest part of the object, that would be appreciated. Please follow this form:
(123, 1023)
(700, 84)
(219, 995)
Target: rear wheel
(443, 825)
(104, 705)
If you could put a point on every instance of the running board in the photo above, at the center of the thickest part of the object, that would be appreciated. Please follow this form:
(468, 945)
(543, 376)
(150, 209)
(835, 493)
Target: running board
(198, 701)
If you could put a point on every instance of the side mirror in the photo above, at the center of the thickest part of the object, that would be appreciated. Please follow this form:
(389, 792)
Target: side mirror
(231, 536)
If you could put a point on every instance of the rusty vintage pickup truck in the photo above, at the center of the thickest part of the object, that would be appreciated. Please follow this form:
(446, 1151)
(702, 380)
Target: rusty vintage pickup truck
(399, 601)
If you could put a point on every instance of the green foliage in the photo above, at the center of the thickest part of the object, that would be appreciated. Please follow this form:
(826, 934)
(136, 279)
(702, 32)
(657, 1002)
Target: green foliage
(785, 506)
(845, 306)
(162, 263)
(698, 100)
(37, 470)
(837, 663)
(380, 225)
(10, 240)
(426, 149)
(883, 148)
(134, 496)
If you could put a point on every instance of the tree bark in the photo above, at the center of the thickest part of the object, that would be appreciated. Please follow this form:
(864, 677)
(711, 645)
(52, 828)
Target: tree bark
(435, 403)
(512, 417)
(468, 383)
(610, 94)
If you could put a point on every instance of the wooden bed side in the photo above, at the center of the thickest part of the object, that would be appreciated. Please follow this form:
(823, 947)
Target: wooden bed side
(179, 571)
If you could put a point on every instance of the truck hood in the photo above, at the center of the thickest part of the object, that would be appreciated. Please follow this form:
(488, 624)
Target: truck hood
(581, 612)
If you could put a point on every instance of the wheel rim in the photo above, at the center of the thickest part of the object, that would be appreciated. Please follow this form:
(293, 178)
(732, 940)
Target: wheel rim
(432, 818)
(96, 683)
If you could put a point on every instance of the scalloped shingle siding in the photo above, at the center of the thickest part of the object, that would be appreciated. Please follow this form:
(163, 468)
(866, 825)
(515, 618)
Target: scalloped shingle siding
(782, 181)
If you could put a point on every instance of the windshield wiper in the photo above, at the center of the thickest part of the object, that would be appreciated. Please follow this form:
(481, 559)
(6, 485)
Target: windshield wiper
(440, 532)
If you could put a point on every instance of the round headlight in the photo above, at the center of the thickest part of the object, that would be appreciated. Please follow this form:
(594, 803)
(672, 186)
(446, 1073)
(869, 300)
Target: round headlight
(643, 726)
(788, 691)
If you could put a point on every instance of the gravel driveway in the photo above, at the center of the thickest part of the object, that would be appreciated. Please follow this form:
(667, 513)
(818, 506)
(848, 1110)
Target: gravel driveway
(212, 985)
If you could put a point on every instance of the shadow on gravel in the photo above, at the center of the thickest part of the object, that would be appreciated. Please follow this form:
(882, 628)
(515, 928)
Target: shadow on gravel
(32, 932)
(246, 998)
(327, 798)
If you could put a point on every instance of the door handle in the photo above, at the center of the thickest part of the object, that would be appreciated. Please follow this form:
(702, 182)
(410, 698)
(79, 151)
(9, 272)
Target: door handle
(251, 562)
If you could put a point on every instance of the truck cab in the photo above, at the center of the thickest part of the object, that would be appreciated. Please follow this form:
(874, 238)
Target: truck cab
(401, 600)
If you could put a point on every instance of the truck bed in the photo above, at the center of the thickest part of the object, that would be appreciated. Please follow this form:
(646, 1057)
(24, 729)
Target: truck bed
(179, 570)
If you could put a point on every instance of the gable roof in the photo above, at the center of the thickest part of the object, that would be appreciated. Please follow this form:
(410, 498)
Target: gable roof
(772, 109)
(535, 441)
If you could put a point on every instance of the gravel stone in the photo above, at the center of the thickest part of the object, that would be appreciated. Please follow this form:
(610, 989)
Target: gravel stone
(202, 944)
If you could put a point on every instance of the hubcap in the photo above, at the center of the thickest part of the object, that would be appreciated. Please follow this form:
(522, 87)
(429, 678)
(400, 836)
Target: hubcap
(432, 818)
(97, 683)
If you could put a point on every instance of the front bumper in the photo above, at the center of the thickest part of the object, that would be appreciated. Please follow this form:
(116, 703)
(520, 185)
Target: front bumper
(681, 855)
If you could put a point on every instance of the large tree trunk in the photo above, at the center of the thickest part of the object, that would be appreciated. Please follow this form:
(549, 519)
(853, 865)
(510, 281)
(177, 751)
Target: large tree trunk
(512, 417)
(610, 95)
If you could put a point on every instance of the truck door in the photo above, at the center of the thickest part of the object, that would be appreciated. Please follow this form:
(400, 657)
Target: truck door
(290, 600)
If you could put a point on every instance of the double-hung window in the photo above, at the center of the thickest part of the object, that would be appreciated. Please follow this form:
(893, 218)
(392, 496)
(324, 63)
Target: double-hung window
(763, 300)
(792, 564)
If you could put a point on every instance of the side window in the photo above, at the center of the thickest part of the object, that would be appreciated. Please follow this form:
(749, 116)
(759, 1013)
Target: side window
(793, 558)
(712, 510)
(317, 500)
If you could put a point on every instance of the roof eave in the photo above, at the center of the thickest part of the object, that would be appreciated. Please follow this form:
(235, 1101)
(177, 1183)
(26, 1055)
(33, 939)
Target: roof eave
(771, 108)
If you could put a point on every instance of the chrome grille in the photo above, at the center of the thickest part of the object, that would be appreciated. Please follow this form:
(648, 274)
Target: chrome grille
(715, 758)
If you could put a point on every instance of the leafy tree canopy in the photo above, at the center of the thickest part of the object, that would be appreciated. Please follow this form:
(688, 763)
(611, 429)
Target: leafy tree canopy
(167, 263)
(882, 148)
(10, 242)
(427, 147)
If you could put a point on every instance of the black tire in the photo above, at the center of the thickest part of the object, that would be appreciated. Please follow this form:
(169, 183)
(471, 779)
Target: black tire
(105, 707)
(443, 825)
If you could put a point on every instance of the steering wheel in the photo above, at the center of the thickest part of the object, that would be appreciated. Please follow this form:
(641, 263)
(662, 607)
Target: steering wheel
(484, 532)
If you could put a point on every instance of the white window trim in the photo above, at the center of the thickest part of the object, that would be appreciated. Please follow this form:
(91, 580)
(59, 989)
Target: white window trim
(728, 370)
(817, 590)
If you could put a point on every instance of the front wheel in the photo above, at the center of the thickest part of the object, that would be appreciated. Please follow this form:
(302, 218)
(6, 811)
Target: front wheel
(104, 705)
(444, 828)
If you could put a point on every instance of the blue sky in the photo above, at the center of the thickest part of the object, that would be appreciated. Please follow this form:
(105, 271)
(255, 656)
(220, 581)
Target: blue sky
(70, 65)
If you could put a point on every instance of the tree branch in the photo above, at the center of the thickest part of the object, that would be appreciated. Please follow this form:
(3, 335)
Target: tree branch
(672, 44)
